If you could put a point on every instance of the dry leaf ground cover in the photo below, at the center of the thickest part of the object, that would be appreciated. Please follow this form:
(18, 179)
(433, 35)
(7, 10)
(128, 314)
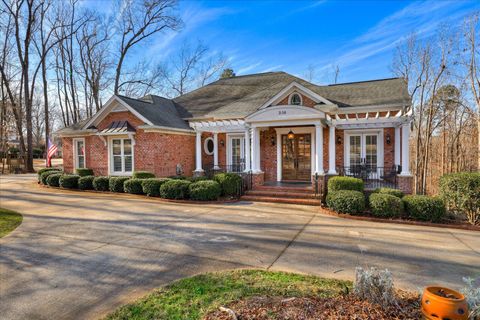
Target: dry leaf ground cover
(257, 294)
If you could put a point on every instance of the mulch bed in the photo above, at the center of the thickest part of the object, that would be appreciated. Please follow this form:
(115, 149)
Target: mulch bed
(339, 308)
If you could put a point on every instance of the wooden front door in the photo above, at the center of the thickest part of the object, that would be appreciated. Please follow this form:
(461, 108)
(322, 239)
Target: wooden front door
(296, 157)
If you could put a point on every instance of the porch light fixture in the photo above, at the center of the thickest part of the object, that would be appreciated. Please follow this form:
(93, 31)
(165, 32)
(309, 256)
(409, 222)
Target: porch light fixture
(388, 139)
(290, 135)
(272, 141)
(222, 143)
(339, 140)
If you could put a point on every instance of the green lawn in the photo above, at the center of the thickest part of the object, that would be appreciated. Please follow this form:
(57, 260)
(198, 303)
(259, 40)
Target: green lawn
(9, 220)
(191, 298)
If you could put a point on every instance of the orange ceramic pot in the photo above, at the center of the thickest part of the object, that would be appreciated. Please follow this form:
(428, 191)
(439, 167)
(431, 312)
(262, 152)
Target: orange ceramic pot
(442, 303)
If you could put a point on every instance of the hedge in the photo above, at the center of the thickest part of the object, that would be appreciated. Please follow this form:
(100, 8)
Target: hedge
(199, 178)
(393, 192)
(178, 177)
(45, 174)
(53, 180)
(461, 194)
(142, 175)
(346, 201)
(39, 172)
(86, 183)
(424, 208)
(82, 172)
(115, 184)
(229, 182)
(69, 181)
(101, 183)
(133, 186)
(151, 187)
(175, 189)
(206, 190)
(345, 183)
(385, 205)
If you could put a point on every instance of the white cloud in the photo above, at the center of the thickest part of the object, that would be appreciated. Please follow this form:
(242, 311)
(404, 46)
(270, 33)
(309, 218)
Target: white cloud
(274, 68)
(248, 68)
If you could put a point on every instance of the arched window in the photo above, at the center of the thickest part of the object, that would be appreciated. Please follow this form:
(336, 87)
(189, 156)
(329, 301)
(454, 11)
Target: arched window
(208, 146)
(295, 99)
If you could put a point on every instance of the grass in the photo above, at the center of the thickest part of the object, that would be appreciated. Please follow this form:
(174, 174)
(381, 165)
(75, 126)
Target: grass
(9, 220)
(192, 298)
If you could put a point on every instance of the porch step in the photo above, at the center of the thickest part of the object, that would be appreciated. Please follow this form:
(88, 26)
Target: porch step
(294, 194)
(302, 201)
(300, 189)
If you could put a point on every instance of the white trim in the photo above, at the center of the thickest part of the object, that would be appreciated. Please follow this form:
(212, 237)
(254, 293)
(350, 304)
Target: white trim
(110, 155)
(273, 115)
(107, 108)
(291, 96)
(167, 130)
(75, 153)
(299, 130)
(205, 146)
(362, 134)
(231, 136)
(315, 97)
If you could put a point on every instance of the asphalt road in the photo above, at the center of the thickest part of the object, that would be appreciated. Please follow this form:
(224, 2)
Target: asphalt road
(79, 255)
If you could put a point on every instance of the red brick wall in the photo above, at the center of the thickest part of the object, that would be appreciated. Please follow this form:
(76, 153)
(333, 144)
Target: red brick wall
(222, 156)
(306, 101)
(268, 154)
(389, 149)
(153, 151)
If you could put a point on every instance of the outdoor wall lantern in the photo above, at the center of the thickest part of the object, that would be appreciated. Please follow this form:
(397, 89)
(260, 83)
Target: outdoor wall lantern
(272, 141)
(290, 135)
(388, 139)
(222, 143)
(339, 140)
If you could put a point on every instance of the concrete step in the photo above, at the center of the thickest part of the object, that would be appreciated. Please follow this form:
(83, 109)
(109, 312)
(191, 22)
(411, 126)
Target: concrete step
(283, 194)
(285, 189)
(310, 202)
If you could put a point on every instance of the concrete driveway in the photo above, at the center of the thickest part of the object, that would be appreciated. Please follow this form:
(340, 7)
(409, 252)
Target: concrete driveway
(80, 255)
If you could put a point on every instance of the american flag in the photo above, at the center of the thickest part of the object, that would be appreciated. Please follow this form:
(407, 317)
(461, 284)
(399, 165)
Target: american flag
(52, 148)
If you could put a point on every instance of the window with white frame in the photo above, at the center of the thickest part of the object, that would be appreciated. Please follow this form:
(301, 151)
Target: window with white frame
(295, 99)
(121, 155)
(208, 146)
(79, 153)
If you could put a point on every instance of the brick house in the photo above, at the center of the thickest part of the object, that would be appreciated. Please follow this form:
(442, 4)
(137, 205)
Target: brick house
(275, 125)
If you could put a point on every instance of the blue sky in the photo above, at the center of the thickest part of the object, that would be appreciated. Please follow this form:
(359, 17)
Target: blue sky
(258, 36)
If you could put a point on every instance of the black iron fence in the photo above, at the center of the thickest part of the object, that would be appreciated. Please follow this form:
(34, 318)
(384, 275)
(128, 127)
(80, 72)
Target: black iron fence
(246, 182)
(373, 176)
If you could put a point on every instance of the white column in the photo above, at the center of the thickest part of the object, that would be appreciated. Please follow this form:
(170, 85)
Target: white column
(331, 150)
(215, 151)
(405, 149)
(198, 152)
(256, 150)
(319, 148)
(247, 150)
(397, 146)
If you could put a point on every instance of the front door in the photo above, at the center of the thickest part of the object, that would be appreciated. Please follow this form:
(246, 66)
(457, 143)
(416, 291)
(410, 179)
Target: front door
(296, 157)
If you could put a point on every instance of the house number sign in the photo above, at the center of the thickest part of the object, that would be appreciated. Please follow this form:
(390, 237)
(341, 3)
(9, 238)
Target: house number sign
(282, 112)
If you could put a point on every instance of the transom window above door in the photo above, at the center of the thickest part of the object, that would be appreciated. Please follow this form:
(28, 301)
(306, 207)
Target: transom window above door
(121, 156)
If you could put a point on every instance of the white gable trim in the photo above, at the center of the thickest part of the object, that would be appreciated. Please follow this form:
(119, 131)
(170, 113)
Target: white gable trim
(285, 113)
(314, 96)
(107, 108)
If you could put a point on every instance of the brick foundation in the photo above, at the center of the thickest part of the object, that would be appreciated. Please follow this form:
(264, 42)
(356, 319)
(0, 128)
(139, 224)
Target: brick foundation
(258, 179)
(405, 183)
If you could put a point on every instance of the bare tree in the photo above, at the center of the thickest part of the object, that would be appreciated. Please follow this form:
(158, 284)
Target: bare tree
(137, 22)
(310, 73)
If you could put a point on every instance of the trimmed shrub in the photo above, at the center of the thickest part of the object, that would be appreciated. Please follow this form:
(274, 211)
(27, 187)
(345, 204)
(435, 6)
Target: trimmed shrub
(424, 208)
(199, 178)
(142, 175)
(461, 194)
(206, 190)
(393, 192)
(86, 183)
(69, 181)
(101, 183)
(175, 189)
(133, 186)
(177, 177)
(39, 172)
(151, 187)
(45, 174)
(115, 184)
(229, 182)
(345, 183)
(53, 180)
(385, 205)
(346, 201)
(82, 172)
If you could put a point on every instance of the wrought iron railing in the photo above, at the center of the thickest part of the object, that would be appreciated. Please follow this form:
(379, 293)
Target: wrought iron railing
(247, 178)
(373, 176)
